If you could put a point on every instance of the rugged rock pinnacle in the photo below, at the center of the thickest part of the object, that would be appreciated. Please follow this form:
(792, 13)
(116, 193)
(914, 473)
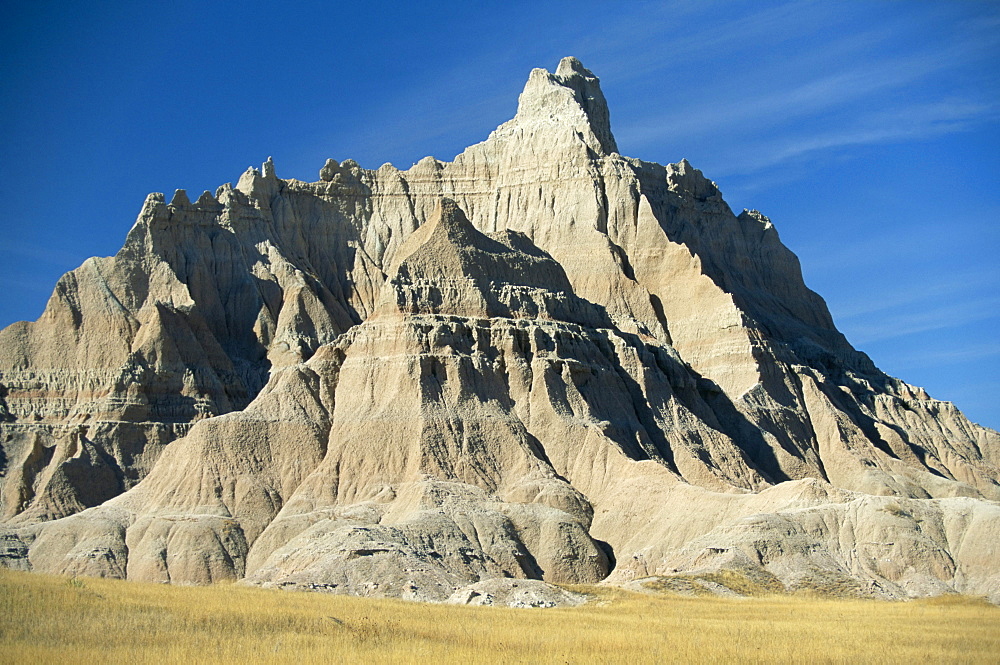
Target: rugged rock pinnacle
(571, 99)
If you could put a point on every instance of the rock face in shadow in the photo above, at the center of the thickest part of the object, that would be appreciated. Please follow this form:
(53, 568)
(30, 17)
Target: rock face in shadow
(541, 361)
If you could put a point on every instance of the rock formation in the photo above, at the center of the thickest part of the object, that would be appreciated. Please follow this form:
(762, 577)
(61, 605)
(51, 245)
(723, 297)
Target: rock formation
(540, 361)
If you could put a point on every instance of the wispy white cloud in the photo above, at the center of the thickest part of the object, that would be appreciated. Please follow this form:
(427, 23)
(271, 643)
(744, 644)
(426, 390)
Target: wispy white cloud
(779, 106)
(913, 321)
(642, 44)
(865, 89)
(906, 244)
(911, 123)
(908, 294)
(953, 356)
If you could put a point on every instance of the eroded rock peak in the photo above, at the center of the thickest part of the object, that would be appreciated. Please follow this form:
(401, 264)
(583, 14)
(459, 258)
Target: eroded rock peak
(527, 362)
(571, 97)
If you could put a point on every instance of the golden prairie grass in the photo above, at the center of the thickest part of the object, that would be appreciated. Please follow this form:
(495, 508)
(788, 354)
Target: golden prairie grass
(56, 619)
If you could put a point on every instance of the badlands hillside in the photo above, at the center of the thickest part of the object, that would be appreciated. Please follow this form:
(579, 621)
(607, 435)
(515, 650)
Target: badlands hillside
(540, 362)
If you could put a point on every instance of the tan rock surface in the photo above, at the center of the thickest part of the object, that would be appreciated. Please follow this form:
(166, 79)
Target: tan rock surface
(516, 593)
(540, 360)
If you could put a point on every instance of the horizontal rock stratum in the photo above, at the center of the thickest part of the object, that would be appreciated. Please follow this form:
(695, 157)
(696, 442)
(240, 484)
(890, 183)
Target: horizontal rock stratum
(541, 361)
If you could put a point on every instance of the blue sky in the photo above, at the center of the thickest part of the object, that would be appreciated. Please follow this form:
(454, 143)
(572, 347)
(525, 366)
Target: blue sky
(868, 131)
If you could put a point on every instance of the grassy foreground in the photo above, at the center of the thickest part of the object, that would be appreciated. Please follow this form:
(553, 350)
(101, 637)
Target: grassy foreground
(56, 619)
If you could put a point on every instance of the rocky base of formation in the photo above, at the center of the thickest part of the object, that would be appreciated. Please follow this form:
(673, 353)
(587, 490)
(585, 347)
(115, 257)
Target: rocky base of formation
(542, 363)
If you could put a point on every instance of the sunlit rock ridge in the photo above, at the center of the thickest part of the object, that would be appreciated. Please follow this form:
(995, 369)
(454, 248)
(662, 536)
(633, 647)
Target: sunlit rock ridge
(540, 361)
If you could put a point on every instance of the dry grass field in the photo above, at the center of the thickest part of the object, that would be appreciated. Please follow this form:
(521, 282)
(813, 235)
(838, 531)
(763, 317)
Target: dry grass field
(45, 619)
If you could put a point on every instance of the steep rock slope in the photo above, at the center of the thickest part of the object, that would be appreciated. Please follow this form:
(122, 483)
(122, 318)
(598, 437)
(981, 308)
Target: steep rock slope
(621, 367)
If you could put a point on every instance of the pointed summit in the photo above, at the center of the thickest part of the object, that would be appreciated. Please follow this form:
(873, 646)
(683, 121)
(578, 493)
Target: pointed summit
(447, 266)
(437, 247)
(572, 95)
(448, 246)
